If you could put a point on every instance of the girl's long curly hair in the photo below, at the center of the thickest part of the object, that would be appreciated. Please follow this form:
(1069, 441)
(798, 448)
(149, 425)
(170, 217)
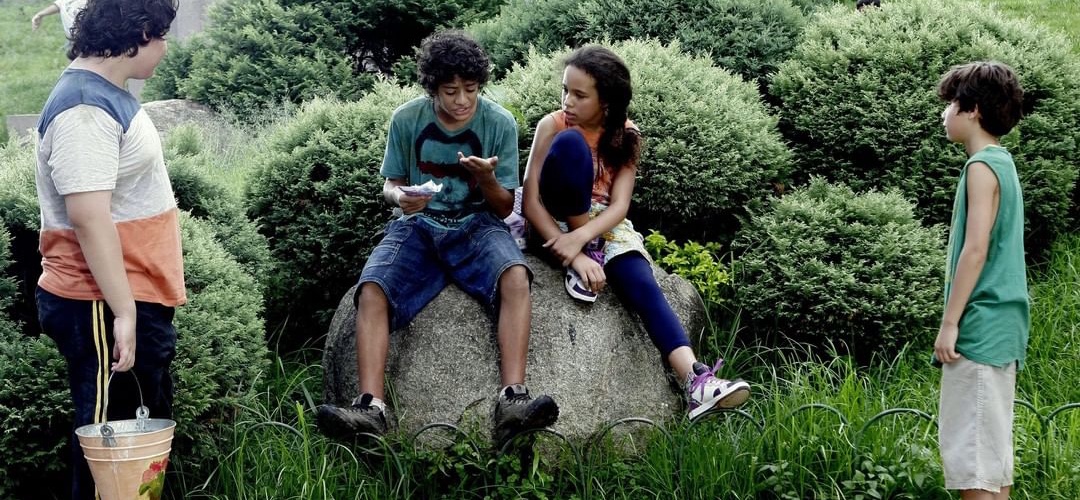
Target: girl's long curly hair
(619, 146)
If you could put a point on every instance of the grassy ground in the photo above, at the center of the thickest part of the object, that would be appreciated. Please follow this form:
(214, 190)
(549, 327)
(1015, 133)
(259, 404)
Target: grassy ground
(1062, 15)
(30, 61)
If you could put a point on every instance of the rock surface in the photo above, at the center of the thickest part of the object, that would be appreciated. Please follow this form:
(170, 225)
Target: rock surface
(595, 359)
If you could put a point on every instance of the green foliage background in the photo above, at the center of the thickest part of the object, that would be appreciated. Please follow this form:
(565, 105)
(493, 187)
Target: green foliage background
(859, 106)
(825, 265)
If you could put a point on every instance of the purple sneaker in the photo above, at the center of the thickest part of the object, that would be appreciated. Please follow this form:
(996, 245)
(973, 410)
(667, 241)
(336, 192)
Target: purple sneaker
(595, 250)
(706, 392)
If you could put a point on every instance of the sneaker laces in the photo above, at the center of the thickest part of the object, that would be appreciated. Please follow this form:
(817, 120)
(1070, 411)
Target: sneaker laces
(702, 378)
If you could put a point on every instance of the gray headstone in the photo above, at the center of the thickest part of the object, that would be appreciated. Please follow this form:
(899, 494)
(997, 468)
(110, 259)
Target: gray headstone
(595, 359)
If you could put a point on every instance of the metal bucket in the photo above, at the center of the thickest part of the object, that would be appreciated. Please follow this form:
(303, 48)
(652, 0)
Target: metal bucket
(127, 458)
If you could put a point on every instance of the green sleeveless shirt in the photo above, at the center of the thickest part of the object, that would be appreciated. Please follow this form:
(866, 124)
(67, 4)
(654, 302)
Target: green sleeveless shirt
(996, 320)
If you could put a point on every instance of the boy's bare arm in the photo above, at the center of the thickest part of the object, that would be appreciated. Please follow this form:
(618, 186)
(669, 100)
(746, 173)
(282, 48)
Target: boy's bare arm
(91, 218)
(982, 202)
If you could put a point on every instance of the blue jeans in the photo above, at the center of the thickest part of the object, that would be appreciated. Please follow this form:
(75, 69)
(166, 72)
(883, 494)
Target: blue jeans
(416, 259)
(82, 330)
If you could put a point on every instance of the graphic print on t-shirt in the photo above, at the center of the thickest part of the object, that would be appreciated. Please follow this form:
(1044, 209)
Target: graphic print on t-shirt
(437, 160)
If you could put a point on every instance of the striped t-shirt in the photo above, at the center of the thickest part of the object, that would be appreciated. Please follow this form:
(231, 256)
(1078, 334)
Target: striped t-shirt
(94, 136)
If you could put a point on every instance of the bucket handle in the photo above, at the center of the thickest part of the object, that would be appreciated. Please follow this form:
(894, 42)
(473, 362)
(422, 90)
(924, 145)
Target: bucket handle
(142, 413)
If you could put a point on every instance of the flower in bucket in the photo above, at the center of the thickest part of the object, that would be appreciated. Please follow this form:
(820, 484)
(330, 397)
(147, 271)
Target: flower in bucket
(153, 479)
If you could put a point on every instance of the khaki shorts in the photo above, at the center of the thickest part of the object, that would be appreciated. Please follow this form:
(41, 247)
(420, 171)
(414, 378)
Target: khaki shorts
(975, 425)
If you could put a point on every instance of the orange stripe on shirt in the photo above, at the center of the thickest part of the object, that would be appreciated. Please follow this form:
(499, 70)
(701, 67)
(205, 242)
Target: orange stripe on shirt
(152, 258)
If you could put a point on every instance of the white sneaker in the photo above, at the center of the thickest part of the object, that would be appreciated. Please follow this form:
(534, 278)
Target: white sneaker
(516, 222)
(706, 392)
(576, 288)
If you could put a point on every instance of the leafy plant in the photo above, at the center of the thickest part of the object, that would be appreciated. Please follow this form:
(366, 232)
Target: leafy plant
(695, 262)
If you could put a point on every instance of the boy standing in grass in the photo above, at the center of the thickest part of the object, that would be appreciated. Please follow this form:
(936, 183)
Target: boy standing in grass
(112, 268)
(984, 331)
(468, 145)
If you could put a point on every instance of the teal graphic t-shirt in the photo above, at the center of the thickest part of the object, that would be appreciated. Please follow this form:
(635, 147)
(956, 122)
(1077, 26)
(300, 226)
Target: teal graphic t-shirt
(420, 149)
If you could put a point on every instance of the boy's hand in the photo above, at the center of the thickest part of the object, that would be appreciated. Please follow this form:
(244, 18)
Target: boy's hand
(124, 344)
(410, 204)
(945, 345)
(590, 272)
(477, 166)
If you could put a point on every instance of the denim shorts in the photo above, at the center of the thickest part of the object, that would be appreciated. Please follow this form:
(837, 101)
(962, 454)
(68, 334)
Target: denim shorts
(417, 258)
(975, 425)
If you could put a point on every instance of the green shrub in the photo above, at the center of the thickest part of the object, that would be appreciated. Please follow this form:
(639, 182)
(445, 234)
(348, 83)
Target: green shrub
(173, 69)
(378, 33)
(19, 215)
(221, 349)
(207, 199)
(825, 264)
(858, 103)
(546, 25)
(711, 149)
(809, 6)
(748, 37)
(318, 200)
(258, 54)
(35, 408)
(697, 263)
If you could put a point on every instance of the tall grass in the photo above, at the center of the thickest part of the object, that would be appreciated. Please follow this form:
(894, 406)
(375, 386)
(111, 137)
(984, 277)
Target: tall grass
(827, 429)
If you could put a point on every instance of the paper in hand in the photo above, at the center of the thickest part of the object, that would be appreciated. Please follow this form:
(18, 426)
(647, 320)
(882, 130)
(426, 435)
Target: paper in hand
(428, 188)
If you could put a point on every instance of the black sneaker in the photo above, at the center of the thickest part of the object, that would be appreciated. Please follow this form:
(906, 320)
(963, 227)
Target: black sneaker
(516, 411)
(351, 421)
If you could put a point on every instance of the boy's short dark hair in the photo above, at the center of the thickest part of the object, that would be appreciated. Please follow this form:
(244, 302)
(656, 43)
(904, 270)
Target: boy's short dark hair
(111, 28)
(990, 85)
(446, 54)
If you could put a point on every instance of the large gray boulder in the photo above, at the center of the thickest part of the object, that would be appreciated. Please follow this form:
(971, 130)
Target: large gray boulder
(595, 359)
(171, 113)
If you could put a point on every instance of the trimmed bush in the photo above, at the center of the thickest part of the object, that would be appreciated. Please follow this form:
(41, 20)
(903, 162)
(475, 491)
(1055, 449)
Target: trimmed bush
(711, 150)
(858, 103)
(378, 33)
(545, 25)
(318, 200)
(19, 214)
(258, 54)
(206, 199)
(221, 348)
(748, 37)
(174, 68)
(809, 6)
(35, 405)
(825, 265)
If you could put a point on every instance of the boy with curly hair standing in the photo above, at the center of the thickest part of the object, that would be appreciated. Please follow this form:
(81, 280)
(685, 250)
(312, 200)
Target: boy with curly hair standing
(984, 331)
(468, 145)
(112, 267)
